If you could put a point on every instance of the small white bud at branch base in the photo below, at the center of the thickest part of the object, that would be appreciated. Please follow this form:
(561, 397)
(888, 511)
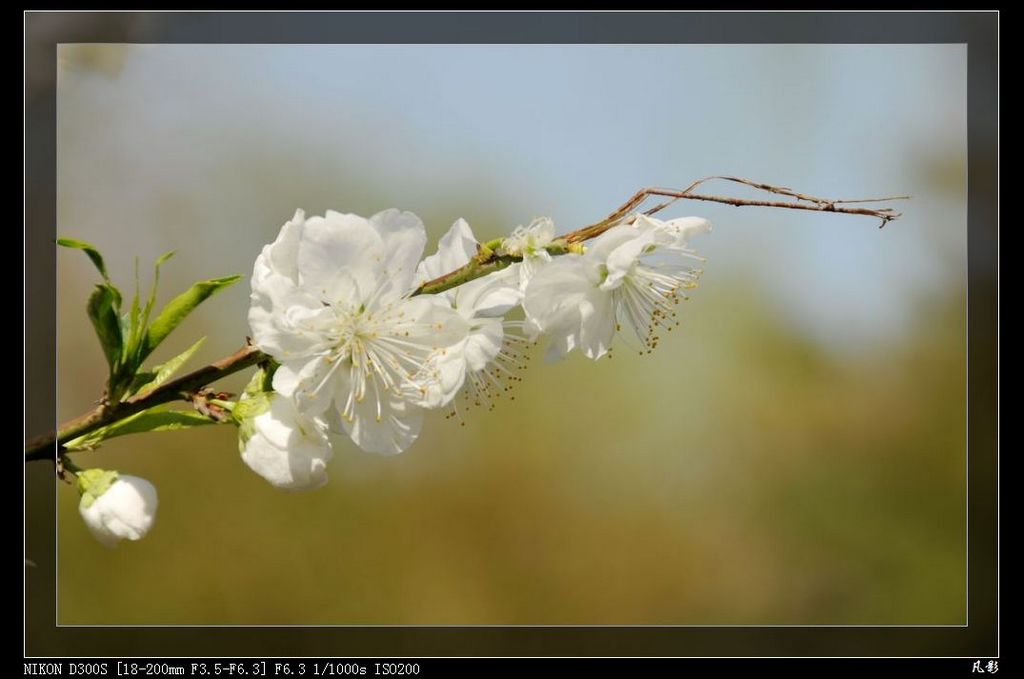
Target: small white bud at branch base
(116, 506)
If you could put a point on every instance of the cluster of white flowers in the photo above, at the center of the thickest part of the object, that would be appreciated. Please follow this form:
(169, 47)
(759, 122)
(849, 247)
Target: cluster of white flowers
(359, 353)
(356, 333)
(632, 273)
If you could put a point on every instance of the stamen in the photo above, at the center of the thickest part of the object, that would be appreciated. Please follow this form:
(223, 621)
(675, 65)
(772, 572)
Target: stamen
(483, 387)
(647, 300)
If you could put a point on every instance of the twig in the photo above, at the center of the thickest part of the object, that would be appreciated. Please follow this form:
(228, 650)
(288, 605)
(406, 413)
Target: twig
(802, 202)
(46, 447)
(487, 260)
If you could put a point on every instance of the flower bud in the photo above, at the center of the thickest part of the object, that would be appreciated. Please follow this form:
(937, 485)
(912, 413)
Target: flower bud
(285, 447)
(116, 506)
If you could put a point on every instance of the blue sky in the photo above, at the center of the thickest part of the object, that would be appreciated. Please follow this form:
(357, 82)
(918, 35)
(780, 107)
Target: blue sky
(564, 131)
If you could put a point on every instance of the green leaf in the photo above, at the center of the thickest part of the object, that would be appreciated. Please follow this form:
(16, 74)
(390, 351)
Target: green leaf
(148, 381)
(141, 379)
(137, 320)
(102, 309)
(135, 329)
(115, 332)
(90, 251)
(179, 308)
(154, 419)
(156, 283)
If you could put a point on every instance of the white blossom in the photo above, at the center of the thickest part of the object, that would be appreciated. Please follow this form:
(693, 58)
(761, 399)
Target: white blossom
(116, 506)
(285, 447)
(682, 229)
(331, 302)
(486, 362)
(633, 274)
(530, 242)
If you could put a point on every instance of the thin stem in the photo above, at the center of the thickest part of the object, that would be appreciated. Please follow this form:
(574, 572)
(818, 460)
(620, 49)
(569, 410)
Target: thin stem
(47, 447)
(489, 258)
(492, 258)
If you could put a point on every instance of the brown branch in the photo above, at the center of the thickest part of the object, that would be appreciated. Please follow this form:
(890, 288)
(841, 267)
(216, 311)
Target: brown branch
(487, 260)
(47, 447)
(494, 259)
(801, 202)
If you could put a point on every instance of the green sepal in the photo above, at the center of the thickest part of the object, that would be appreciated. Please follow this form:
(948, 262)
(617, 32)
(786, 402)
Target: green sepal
(261, 380)
(93, 483)
(254, 401)
(251, 406)
(246, 429)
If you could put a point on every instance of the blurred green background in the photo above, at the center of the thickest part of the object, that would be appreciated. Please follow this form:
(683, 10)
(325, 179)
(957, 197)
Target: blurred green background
(795, 454)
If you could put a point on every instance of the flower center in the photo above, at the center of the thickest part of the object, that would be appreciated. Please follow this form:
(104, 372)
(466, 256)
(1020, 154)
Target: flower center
(373, 345)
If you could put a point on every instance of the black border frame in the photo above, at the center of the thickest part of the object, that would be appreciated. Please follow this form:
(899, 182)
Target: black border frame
(977, 29)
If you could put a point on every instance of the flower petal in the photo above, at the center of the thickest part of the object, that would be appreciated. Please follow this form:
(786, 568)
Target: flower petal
(126, 511)
(429, 320)
(403, 238)
(289, 450)
(455, 249)
(388, 432)
(492, 295)
(564, 301)
(623, 257)
(685, 229)
(435, 333)
(301, 467)
(440, 383)
(282, 255)
(601, 247)
(597, 327)
(338, 251)
(561, 341)
(553, 296)
(483, 343)
(310, 383)
(283, 319)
